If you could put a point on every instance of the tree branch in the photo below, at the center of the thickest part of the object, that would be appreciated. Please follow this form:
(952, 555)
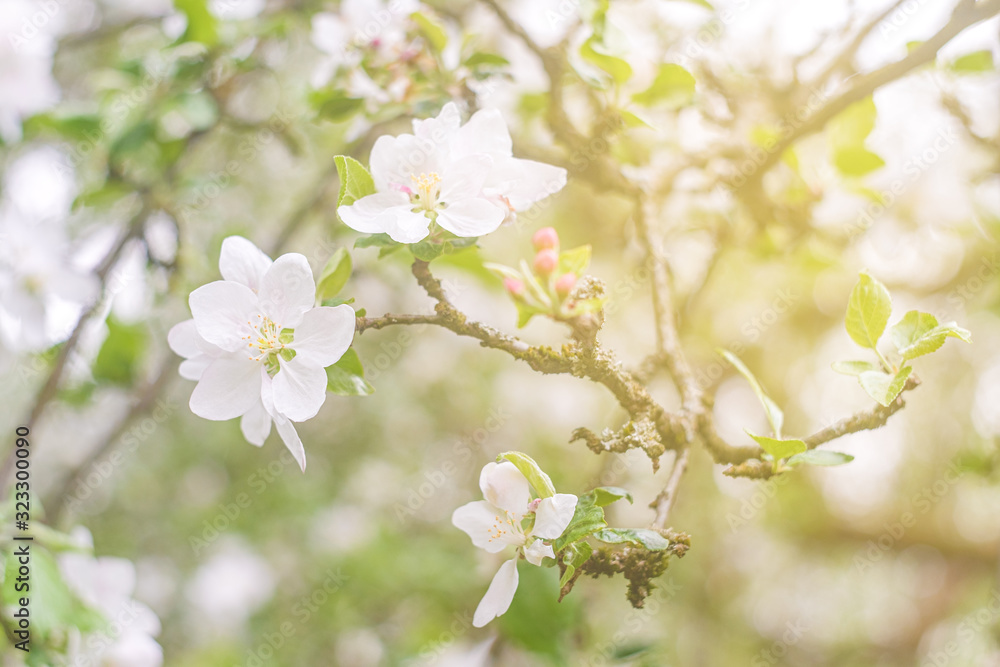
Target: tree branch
(965, 16)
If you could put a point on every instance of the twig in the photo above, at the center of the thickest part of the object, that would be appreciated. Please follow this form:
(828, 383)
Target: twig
(665, 501)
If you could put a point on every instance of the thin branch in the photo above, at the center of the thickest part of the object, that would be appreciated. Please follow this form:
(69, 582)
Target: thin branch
(964, 17)
(51, 385)
(865, 420)
(145, 400)
(665, 501)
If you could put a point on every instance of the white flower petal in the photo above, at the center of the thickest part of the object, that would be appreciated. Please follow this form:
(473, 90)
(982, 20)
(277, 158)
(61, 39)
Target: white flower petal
(243, 262)
(486, 132)
(298, 390)
(535, 181)
(471, 217)
(256, 423)
(505, 487)
(183, 339)
(290, 437)
(440, 128)
(395, 159)
(553, 515)
(537, 551)
(324, 335)
(370, 215)
(499, 595)
(407, 226)
(464, 178)
(222, 311)
(194, 368)
(228, 388)
(487, 526)
(287, 290)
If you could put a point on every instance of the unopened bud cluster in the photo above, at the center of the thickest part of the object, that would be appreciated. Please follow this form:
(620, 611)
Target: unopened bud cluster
(545, 287)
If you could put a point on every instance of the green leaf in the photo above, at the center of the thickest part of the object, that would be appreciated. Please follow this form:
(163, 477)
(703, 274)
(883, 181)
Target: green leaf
(336, 106)
(854, 368)
(573, 557)
(605, 495)
(133, 140)
(347, 377)
(435, 34)
(868, 311)
(574, 261)
(919, 333)
(673, 87)
(355, 181)
(856, 161)
(376, 241)
(427, 250)
(77, 127)
(884, 387)
(911, 330)
(646, 538)
(587, 520)
(852, 126)
(847, 133)
(202, 25)
(976, 62)
(779, 449)
(334, 276)
(631, 120)
(525, 311)
(820, 457)
(532, 472)
(102, 196)
(774, 414)
(491, 60)
(619, 69)
(120, 355)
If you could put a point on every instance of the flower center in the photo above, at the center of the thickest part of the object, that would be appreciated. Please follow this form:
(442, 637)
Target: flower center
(504, 525)
(425, 190)
(265, 338)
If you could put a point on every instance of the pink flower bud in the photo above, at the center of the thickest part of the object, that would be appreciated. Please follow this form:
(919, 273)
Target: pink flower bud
(515, 287)
(546, 261)
(565, 284)
(545, 238)
(533, 505)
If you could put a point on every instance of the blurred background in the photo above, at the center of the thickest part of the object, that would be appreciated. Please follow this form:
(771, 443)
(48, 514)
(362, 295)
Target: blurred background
(135, 136)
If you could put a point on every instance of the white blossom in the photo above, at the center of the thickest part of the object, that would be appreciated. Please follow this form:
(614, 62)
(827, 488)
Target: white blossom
(464, 179)
(496, 523)
(258, 347)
